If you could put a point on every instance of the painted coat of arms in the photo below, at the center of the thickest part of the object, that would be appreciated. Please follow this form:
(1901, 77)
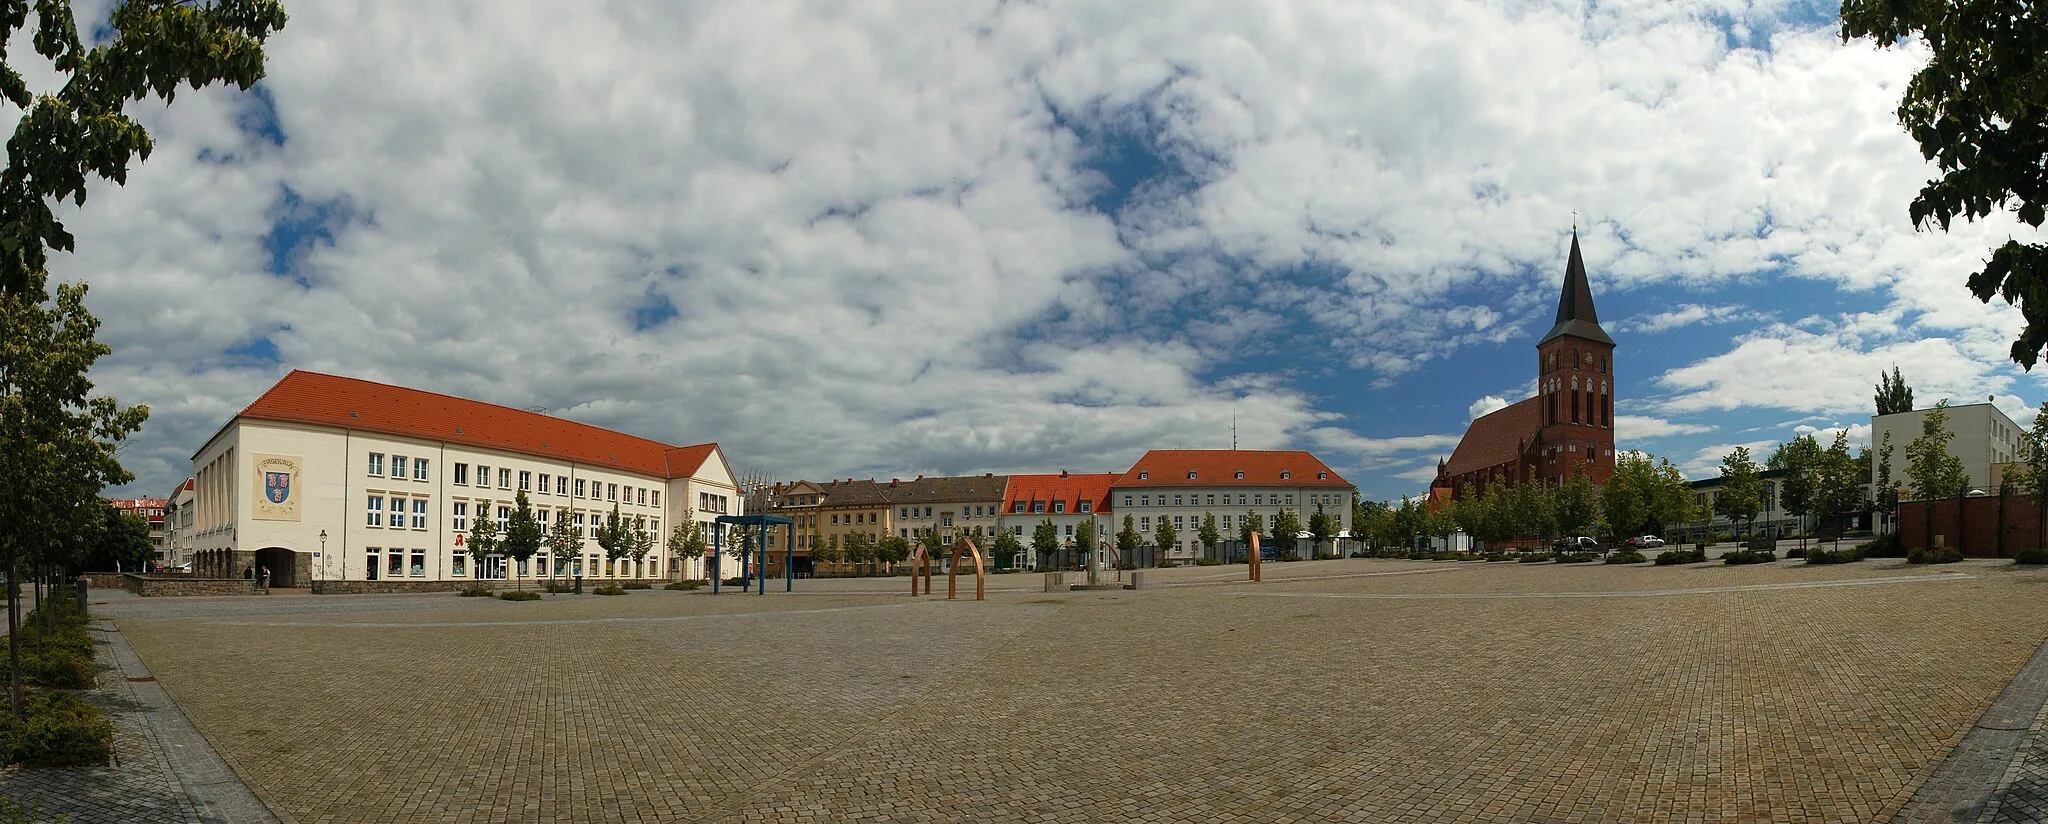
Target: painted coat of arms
(276, 496)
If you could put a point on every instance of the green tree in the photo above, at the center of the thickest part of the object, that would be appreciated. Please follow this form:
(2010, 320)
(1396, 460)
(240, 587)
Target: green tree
(83, 128)
(1673, 500)
(615, 537)
(1165, 537)
(1801, 461)
(1006, 548)
(1630, 493)
(2033, 455)
(686, 538)
(1532, 508)
(1208, 534)
(1893, 395)
(1977, 110)
(1886, 489)
(1742, 489)
(120, 544)
(483, 537)
(1574, 507)
(642, 545)
(1128, 540)
(1045, 540)
(1286, 530)
(1253, 524)
(1368, 522)
(858, 550)
(1933, 472)
(1322, 527)
(565, 541)
(522, 535)
(892, 549)
(824, 551)
(1838, 487)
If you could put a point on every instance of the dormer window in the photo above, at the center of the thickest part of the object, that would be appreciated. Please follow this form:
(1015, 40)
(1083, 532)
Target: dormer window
(1142, 474)
(1322, 476)
(1284, 474)
(1191, 474)
(1240, 474)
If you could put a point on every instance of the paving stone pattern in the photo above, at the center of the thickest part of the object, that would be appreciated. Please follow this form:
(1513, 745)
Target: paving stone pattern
(1717, 700)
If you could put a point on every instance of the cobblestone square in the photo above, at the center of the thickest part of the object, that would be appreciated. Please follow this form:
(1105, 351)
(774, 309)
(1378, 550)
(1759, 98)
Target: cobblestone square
(1343, 690)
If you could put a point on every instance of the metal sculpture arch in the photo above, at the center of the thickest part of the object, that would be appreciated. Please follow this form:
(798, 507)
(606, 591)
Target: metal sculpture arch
(1253, 559)
(921, 566)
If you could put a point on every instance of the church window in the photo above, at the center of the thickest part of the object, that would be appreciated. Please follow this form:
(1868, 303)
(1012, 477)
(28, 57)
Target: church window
(1575, 406)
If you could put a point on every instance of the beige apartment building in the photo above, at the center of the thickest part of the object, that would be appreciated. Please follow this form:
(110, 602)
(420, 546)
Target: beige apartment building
(1181, 486)
(340, 482)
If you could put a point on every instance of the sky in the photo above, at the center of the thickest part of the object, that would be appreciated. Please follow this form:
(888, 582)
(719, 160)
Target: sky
(878, 239)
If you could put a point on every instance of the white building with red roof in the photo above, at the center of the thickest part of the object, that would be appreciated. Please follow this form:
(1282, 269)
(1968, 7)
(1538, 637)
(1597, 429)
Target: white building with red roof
(1066, 499)
(1182, 486)
(363, 486)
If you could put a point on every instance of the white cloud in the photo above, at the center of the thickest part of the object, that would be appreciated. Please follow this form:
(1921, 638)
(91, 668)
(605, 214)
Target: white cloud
(1858, 434)
(876, 224)
(1706, 462)
(1484, 406)
(1631, 428)
(1686, 315)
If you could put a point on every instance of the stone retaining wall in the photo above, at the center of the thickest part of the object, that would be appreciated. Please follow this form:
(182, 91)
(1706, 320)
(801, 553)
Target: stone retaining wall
(154, 585)
(104, 580)
(384, 587)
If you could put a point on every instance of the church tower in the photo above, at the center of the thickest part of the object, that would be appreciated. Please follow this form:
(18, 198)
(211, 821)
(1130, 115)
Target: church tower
(1575, 385)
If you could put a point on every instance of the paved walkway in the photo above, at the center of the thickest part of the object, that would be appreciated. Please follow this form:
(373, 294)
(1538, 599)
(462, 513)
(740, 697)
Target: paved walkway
(163, 771)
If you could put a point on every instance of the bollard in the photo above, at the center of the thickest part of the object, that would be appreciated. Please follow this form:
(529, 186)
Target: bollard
(1138, 579)
(579, 585)
(1055, 582)
(81, 595)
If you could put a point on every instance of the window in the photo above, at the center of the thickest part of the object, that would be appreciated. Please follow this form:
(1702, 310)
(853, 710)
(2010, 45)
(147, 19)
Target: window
(579, 487)
(419, 513)
(1127, 500)
(504, 478)
(419, 469)
(504, 519)
(1017, 508)
(525, 481)
(946, 519)
(1240, 499)
(394, 563)
(398, 467)
(905, 512)
(1144, 500)
(1085, 505)
(611, 492)
(628, 498)
(375, 506)
(835, 520)
(458, 516)
(544, 485)
(1059, 507)
(540, 563)
(419, 563)
(1322, 476)
(1240, 474)
(1177, 522)
(541, 516)
(376, 463)
(593, 523)
(1260, 500)
(462, 474)
(1284, 474)
(1037, 507)
(456, 564)
(483, 475)
(657, 498)
(370, 569)
(643, 496)
(1070, 530)
(1176, 500)
(1226, 522)
(927, 512)
(1017, 530)
(561, 484)
(1145, 523)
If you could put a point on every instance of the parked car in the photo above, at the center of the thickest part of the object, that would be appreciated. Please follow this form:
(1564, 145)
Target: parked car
(1577, 544)
(1646, 542)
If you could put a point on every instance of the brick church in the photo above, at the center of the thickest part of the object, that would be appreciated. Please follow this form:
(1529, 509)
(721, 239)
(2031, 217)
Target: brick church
(1568, 423)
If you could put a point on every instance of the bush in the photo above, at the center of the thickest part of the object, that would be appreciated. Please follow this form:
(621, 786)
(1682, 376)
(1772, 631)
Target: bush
(1748, 556)
(1839, 556)
(1884, 546)
(1796, 552)
(1168, 564)
(59, 657)
(639, 585)
(1534, 557)
(1626, 556)
(1944, 555)
(1575, 557)
(1496, 555)
(2033, 557)
(1327, 556)
(475, 591)
(683, 586)
(1673, 557)
(552, 586)
(609, 590)
(1130, 565)
(1358, 554)
(736, 580)
(57, 729)
(519, 595)
(1198, 562)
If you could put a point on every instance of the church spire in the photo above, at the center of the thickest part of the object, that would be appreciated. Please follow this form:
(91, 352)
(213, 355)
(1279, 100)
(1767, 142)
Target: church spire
(1575, 313)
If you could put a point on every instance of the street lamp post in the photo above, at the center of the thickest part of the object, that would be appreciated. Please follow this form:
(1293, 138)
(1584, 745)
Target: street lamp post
(321, 568)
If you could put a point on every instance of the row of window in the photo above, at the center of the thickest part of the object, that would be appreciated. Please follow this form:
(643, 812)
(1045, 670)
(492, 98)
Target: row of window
(375, 512)
(707, 502)
(418, 468)
(1285, 474)
(397, 562)
(1038, 507)
(1255, 499)
(401, 466)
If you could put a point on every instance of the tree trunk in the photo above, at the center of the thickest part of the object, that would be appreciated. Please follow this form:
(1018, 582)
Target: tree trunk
(14, 633)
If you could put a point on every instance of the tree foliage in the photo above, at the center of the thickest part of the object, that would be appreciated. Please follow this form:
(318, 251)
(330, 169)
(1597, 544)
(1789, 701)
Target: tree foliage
(1208, 534)
(1286, 529)
(522, 533)
(1129, 539)
(1979, 110)
(1165, 536)
(564, 541)
(120, 542)
(686, 538)
(1893, 395)
(1045, 538)
(1932, 470)
(483, 536)
(82, 129)
(1838, 484)
(1007, 546)
(1801, 459)
(1741, 497)
(1573, 506)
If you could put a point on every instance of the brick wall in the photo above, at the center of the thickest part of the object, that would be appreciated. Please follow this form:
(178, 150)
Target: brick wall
(157, 585)
(104, 580)
(384, 587)
(1986, 527)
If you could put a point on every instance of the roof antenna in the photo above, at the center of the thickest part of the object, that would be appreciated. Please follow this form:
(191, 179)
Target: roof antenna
(1233, 429)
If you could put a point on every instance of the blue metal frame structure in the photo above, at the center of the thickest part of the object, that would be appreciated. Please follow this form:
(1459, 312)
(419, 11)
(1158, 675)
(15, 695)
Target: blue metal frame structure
(760, 539)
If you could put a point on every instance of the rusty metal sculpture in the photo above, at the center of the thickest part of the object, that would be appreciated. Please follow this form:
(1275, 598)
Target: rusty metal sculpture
(953, 572)
(1254, 559)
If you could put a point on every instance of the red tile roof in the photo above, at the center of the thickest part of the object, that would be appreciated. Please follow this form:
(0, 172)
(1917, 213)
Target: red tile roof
(1497, 437)
(1073, 488)
(1219, 467)
(331, 400)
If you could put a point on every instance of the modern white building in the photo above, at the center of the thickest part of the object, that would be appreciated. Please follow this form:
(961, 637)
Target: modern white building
(327, 479)
(1186, 484)
(1985, 440)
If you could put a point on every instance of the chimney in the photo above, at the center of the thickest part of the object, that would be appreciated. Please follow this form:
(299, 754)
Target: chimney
(895, 481)
(1063, 473)
(920, 476)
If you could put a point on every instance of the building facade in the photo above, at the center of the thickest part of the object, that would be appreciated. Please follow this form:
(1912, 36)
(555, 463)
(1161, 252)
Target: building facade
(153, 511)
(326, 478)
(1181, 486)
(1568, 424)
(1985, 440)
(1067, 499)
(178, 542)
